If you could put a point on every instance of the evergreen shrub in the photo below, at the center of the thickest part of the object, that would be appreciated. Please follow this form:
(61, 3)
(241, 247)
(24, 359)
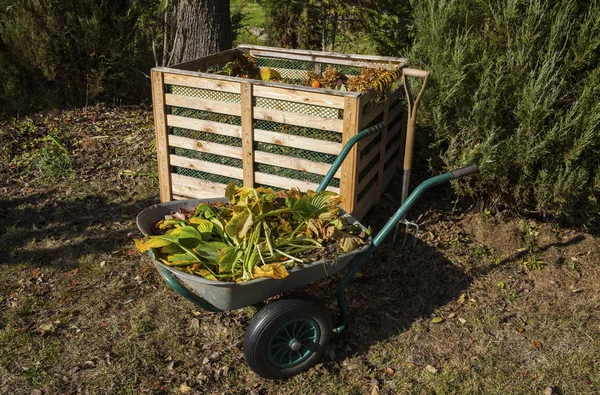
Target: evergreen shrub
(515, 88)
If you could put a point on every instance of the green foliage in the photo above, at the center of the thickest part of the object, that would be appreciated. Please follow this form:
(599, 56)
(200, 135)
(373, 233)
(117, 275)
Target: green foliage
(70, 53)
(515, 87)
(339, 25)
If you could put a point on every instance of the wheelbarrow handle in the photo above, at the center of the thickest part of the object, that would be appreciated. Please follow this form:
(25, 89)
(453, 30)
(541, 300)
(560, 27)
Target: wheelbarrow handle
(464, 171)
(346, 149)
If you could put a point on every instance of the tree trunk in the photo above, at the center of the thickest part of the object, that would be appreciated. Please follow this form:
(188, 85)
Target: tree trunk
(203, 28)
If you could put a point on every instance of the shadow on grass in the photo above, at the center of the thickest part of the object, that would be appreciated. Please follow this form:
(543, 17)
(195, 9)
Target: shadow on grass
(397, 288)
(57, 230)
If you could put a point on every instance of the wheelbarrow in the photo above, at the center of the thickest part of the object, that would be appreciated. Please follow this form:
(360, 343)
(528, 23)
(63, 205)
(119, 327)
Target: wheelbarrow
(288, 335)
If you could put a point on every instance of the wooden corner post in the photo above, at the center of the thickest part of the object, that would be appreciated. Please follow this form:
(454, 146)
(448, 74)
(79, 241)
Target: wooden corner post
(162, 138)
(349, 172)
(247, 134)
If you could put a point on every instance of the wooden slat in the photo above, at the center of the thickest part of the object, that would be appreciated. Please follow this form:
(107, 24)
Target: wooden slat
(393, 132)
(179, 197)
(290, 140)
(371, 115)
(395, 111)
(294, 95)
(247, 135)
(366, 141)
(201, 125)
(210, 60)
(196, 103)
(367, 179)
(161, 132)
(364, 162)
(293, 163)
(383, 144)
(299, 88)
(288, 183)
(292, 118)
(202, 83)
(194, 187)
(367, 202)
(208, 167)
(349, 172)
(325, 57)
(388, 175)
(395, 95)
(205, 146)
(391, 149)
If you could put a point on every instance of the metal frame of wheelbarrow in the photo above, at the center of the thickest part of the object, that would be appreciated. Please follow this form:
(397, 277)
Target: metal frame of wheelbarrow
(301, 328)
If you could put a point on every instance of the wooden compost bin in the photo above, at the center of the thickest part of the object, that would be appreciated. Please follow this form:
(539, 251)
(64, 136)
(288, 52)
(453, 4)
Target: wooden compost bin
(213, 129)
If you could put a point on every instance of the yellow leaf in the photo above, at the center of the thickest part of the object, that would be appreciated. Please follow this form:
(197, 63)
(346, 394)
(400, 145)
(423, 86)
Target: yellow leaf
(206, 274)
(437, 320)
(272, 270)
(155, 242)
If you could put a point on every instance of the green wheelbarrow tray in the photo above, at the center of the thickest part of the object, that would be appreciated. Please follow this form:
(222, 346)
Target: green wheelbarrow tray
(224, 295)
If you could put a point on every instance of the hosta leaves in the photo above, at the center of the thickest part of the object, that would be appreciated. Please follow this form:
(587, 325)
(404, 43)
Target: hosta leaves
(203, 226)
(238, 225)
(208, 253)
(183, 258)
(256, 235)
(154, 242)
(204, 210)
(187, 236)
(229, 257)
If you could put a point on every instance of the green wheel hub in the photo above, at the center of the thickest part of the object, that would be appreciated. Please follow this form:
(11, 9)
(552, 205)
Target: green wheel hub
(293, 342)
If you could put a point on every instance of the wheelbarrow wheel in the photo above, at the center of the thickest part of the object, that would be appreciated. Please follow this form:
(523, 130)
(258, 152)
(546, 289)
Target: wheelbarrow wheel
(287, 337)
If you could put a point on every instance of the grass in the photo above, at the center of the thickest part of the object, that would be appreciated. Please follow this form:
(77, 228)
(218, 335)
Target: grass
(255, 16)
(82, 311)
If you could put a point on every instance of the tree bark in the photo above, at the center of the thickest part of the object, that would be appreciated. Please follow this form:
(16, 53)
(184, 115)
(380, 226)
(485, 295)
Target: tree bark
(203, 28)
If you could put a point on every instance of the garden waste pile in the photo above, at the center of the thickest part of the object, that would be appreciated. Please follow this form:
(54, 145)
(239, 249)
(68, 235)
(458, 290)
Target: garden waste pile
(258, 233)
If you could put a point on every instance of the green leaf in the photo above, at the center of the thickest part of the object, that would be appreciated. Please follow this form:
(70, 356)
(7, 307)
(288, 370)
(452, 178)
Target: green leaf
(229, 257)
(154, 242)
(204, 211)
(182, 258)
(188, 236)
(203, 226)
(238, 225)
(208, 253)
(230, 192)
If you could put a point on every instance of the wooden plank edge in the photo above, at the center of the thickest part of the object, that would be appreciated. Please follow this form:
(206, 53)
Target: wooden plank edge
(290, 162)
(337, 55)
(368, 178)
(302, 88)
(161, 136)
(201, 125)
(365, 161)
(205, 146)
(196, 103)
(293, 95)
(210, 60)
(202, 83)
(196, 188)
(299, 142)
(207, 167)
(297, 119)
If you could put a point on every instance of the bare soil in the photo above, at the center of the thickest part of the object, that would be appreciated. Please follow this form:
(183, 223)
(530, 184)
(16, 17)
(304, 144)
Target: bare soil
(482, 303)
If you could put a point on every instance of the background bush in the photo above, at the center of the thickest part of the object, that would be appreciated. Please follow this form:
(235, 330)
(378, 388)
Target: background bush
(516, 88)
(73, 52)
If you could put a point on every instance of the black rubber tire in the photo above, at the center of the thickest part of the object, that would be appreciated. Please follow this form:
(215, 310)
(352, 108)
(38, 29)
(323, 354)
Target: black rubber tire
(270, 319)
